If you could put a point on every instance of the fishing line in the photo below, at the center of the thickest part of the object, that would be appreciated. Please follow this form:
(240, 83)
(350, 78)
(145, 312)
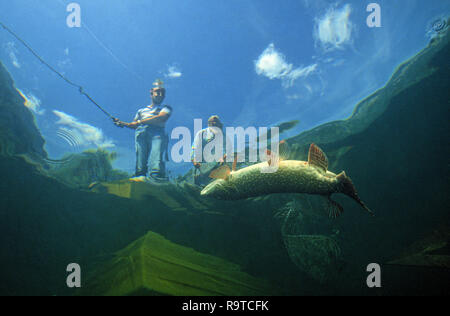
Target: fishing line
(106, 48)
(80, 88)
(111, 53)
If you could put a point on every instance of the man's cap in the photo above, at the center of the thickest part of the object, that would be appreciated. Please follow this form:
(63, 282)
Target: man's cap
(214, 118)
(158, 84)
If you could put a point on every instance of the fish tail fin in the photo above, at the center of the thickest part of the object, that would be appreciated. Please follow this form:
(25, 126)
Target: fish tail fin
(348, 188)
(335, 209)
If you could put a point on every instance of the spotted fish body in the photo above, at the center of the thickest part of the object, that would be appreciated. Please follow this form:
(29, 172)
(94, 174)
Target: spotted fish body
(292, 176)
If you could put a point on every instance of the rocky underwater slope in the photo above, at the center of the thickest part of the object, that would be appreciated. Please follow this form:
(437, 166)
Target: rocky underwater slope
(128, 237)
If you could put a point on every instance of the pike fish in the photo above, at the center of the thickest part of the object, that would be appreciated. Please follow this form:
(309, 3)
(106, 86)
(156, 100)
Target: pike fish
(292, 176)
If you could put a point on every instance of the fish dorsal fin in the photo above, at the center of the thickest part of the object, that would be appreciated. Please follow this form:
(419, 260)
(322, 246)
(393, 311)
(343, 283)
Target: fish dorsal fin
(317, 158)
(223, 172)
(283, 152)
(235, 161)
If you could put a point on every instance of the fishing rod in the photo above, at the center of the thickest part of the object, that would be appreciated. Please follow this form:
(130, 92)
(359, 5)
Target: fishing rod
(80, 88)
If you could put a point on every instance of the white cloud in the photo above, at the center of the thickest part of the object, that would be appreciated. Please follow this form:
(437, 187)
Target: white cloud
(65, 63)
(86, 135)
(14, 60)
(32, 102)
(11, 51)
(297, 73)
(272, 64)
(306, 91)
(309, 88)
(334, 29)
(173, 72)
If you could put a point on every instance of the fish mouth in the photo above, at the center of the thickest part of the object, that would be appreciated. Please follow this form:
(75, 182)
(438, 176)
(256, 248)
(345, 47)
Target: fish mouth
(209, 189)
(204, 192)
(348, 188)
(216, 189)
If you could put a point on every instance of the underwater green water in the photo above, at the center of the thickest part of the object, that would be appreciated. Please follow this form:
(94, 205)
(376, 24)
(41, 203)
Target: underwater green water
(395, 149)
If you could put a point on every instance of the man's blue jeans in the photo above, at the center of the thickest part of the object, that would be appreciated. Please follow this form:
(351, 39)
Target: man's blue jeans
(150, 141)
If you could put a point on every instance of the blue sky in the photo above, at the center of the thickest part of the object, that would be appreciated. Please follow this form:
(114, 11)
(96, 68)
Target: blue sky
(254, 62)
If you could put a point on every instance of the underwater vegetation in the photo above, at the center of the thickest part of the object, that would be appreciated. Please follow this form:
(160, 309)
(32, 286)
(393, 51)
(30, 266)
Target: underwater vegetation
(84, 169)
(431, 251)
(317, 255)
(394, 146)
(18, 131)
(152, 265)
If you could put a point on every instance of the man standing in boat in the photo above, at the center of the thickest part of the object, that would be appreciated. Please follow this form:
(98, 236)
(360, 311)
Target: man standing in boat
(150, 137)
(202, 138)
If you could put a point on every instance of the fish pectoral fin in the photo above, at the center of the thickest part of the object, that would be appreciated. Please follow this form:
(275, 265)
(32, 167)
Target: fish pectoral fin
(269, 156)
(334, 208)
(272, 158)
(223, 172)
(317, 158)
